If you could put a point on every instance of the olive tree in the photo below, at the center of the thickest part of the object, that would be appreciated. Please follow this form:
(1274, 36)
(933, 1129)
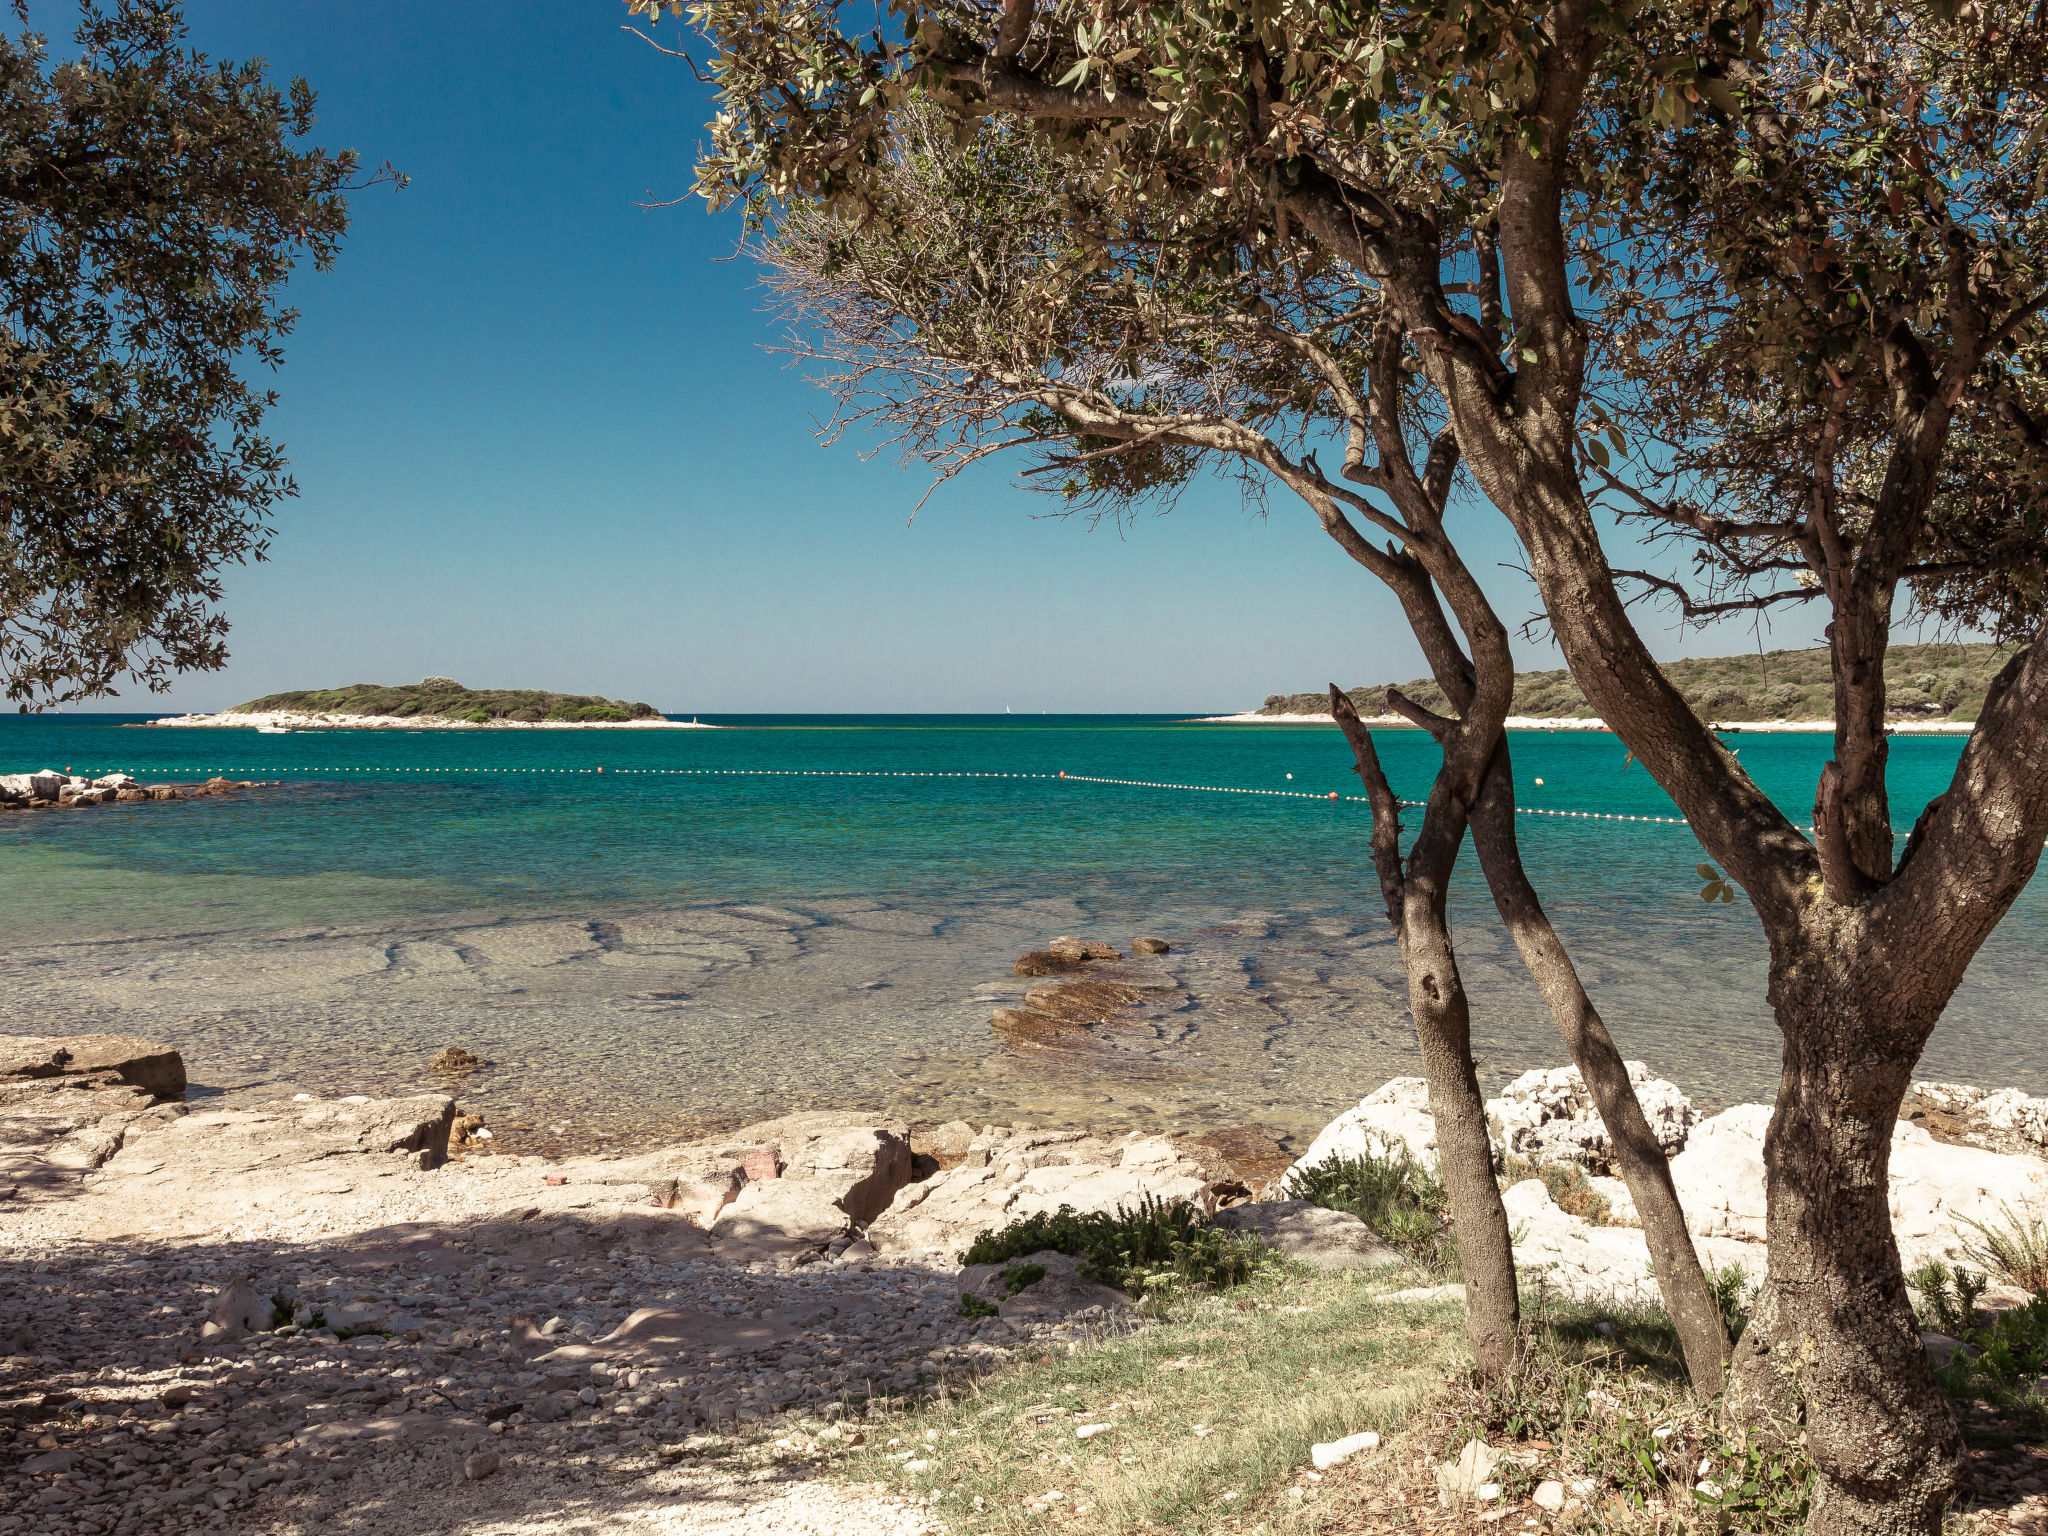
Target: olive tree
(1864, 185)
(1006, 306)
(153, 203)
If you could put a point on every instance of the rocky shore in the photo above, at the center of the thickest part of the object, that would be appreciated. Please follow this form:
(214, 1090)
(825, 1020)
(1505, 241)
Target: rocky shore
(352, 1313)
(49, 790)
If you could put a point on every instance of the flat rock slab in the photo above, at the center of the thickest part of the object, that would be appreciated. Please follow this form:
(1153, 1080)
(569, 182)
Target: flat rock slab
(155, 1068)
(1319, 1238)
(666, 1330)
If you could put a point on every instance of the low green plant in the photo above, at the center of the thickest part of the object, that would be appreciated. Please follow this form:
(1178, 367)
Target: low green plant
(1569, 1187)
(1732, 1293)
(972, 1305)
(1017, 1276)
(1948, 1297)
(1606, 1388)
(1392, 1193)
(2015, 1247)
(2000, 1359)
(1160, 1246)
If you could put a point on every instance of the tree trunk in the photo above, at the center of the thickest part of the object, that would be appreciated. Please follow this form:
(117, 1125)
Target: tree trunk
(1885, 1447)
(1416, 895)
(1464, 1150)
(1687, 1297)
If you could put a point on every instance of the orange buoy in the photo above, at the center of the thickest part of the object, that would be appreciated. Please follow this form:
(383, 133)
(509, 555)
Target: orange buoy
(1333, 794)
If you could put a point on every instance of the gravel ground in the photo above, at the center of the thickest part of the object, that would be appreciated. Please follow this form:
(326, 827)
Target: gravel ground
(491, 1389)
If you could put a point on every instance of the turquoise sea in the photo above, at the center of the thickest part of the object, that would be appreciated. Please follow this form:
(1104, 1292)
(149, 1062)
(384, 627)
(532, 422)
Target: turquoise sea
(806, 911)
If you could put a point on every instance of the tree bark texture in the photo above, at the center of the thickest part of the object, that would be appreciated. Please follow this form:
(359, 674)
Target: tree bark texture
(1415, 892)
(1702, 1333)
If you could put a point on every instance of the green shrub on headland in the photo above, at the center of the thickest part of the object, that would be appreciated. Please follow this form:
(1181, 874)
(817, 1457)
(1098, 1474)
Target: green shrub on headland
(1927, 682)
(442, 698)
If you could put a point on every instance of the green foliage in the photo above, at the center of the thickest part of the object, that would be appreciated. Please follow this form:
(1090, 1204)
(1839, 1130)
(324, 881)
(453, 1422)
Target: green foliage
(1928, 682)
(1732, 1294)
(1392, 1193)
(978, 1306)
(153, 204)
(2001, 1357)
(441, 698)
(1607, 1389)
(2015, 1247)
(1017, 1276)
(1158, 1247)
(1567, 1183)
(1948, 1298)
(1713, 886)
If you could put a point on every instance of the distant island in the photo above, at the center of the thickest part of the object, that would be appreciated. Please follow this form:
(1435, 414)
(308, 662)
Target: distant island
(1933, 687)
(434, 703)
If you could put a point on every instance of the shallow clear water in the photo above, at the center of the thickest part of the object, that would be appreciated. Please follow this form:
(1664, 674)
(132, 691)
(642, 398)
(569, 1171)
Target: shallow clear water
(689, 936)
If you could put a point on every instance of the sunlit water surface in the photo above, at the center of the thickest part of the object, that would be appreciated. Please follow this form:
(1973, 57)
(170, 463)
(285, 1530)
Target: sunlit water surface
(686, 938)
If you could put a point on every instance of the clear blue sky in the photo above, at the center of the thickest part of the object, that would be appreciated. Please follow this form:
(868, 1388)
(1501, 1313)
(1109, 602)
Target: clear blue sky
(538, 440)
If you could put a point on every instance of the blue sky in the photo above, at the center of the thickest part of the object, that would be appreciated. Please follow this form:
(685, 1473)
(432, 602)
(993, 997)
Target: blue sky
(539, 443)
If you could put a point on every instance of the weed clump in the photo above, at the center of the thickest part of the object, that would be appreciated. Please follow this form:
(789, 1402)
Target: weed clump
(1569, 1188)
(1392, 1193)
(1159, 1246)
(2015, 1248)
(2001, 1358)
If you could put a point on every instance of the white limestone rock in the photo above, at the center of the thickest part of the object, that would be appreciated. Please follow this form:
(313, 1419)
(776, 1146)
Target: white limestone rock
(1319, 1238)
(1937, 1189)
(1006, 1176)
(1396, 1114)
(1548, 1116)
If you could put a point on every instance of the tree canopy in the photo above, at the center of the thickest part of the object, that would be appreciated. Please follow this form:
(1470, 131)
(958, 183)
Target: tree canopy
(153, 203)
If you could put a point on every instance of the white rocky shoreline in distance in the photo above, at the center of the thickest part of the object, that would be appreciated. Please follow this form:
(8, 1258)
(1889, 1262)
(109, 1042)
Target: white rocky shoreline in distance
(1593, 723)
(288, 721)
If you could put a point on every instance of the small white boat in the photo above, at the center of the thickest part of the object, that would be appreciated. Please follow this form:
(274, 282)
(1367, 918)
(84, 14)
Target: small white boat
(273, 730)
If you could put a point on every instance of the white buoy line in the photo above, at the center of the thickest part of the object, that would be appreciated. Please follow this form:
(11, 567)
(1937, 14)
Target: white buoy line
(915, 773)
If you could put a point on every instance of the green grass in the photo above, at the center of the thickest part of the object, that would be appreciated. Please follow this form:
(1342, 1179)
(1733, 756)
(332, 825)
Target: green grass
(1927, 682)
(443, 698)
(1265, 1371)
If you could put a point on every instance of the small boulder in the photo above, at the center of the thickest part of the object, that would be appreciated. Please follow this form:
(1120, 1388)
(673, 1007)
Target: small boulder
(1319, 1238)
(1150, 947)
(146, 1064)
(480, 1465)
(454, 1059)
(1396, 1114)
(1043, 962)
(1549, 1495)
(1548, 1116)
(237, 1310)
(1464, 1479)
(1067, 947)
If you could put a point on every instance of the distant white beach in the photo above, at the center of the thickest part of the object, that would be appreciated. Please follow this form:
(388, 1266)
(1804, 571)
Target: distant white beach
(260, 719)
(1571, 723)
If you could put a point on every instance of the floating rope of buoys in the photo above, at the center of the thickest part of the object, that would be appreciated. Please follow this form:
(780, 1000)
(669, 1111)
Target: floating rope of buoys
(895, 773)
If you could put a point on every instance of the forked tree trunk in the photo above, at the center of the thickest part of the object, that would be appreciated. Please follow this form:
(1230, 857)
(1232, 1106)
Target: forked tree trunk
(1838, 1330)
(1681, 1280)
